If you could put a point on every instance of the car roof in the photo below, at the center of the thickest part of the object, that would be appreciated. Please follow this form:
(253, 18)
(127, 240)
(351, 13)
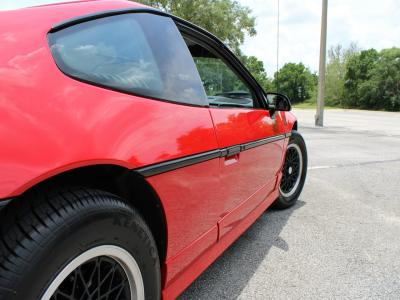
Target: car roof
(12, 4)
(15, 15)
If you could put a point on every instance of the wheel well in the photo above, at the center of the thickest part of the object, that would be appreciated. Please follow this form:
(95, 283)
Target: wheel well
(124, 183)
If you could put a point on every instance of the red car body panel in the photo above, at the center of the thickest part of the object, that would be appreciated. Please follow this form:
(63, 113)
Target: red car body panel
(186, 277)
(51, 123)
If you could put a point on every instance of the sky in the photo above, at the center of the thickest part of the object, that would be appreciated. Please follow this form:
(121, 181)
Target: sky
(369, 23)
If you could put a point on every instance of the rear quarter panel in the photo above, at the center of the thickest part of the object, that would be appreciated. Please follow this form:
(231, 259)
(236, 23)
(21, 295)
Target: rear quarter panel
(51, 123)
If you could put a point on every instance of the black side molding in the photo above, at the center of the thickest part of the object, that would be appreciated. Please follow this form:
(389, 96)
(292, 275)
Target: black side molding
(205, 156)
(263, 141)
(178, 163)
(233, 150)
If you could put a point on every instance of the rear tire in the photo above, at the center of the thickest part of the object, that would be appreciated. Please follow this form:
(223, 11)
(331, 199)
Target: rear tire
(56, 243)
(294, 172)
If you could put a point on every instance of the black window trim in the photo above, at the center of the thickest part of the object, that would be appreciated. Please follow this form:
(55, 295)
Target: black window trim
(230, 59)
(183, 26)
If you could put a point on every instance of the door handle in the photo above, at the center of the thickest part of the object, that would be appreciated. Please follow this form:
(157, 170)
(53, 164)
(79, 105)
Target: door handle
(231, 155)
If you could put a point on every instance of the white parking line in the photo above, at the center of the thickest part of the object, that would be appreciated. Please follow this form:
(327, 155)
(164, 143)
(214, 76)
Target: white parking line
(321, 167)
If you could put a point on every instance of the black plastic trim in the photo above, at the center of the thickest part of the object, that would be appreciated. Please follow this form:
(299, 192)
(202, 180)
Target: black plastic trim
(4, 203)
(114, 12)
(264, 141)
(174, 164)
(178, 163)
(102, 14)
(234, 150)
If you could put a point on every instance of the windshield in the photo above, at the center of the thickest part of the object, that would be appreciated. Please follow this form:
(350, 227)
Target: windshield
(12, 4)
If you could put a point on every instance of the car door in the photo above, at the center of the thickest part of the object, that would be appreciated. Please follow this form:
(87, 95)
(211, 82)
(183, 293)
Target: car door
(246, 132)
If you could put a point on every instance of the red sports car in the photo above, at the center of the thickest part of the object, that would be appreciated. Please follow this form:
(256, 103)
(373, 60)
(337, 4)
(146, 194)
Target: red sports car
(135, 148)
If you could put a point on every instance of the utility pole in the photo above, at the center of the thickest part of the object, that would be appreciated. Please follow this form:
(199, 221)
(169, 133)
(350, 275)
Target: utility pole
(319, 117)
(277, 48)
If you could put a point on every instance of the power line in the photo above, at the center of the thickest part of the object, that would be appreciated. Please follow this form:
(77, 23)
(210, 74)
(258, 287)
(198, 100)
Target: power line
(277, 49)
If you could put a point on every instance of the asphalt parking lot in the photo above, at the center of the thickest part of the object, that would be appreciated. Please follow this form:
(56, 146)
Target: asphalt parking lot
(342, 239)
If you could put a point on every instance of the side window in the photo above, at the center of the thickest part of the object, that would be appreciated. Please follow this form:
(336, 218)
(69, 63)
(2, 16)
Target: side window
(222, 85)
(138, 53)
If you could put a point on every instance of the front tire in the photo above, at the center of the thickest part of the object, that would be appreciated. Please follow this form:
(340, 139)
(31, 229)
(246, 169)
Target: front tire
(293, 173)
(76, 244)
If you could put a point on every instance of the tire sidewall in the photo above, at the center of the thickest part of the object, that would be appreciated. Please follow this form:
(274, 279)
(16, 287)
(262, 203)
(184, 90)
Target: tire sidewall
(113, 224)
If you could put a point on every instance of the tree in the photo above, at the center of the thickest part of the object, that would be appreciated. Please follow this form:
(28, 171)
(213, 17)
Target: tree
(382, 89)
(257, 69)
(358, 71)
(296, 81)
(227, 19)
(338, 58)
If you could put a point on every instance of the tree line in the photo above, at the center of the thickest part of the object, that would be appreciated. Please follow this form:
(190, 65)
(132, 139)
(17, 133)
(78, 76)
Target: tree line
(355, 78)
(366, 79)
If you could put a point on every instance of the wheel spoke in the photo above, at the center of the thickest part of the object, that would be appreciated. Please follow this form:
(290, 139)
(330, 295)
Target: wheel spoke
(117, 289)
(64, 296)
(100, 278)
(84, 284)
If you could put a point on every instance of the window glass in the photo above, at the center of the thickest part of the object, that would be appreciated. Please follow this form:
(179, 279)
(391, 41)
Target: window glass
(222, 85)
(138, 53)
